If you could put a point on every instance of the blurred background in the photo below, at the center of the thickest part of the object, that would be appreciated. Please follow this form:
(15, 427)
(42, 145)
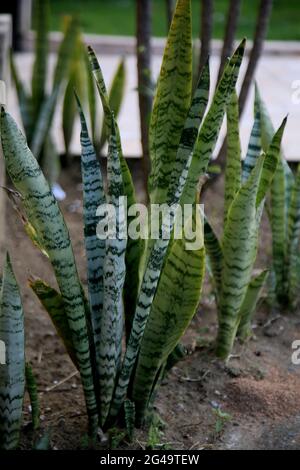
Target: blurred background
(117, 17)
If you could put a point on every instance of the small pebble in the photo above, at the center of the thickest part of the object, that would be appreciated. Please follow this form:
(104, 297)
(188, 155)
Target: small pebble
(215, 404)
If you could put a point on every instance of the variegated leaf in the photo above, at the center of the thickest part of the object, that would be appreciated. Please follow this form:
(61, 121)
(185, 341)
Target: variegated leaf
(12, 372)
(45, 216)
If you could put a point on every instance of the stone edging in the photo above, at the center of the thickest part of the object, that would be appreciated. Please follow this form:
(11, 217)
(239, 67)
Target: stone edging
(125, 45)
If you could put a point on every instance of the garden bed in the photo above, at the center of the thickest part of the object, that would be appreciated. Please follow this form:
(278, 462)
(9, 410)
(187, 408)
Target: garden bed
(256, 393)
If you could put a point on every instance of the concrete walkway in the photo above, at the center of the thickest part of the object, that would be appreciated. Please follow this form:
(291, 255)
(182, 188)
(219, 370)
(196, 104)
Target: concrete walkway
(276, 76)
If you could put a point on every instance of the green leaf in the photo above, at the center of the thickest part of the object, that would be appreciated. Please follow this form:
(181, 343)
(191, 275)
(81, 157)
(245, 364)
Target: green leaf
(210, 128)
(77, 81)
(178, 353)
(190, 130)
(115, 97)
(278, 220)
(98, 75)
(254, 146)
(92, 101)
(33, 395)
(293, 242)
(171, 102)
(53, 303)
(280, 201)
(214, 252)
(239, 251)
(12, 373)
(134, 247)
(233, 158)
(249, 304)
(93, 197)
(45, 216)
(172, 309)
(188, 136)
(270, 163)
(147, 292)
(129, 408)
(111, 322)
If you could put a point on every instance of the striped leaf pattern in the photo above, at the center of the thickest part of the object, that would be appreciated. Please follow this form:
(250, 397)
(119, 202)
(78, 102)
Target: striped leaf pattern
(127, 180)
(239, 250)
(111, 322)
(171, 102)
(233, 158)
(92, 94)
(189, 135)
(278, 219)
(254, 146)
(115, 96)
(239, 242)
(190, 130)
(135, 248)
(270, 163)
(210, 128)
(31, 387)
(279, 207)
(293, 242)
(173, 307)
(147, 291)
(214, 253)
(93, 197)
(12, 373)
(278, 188)
(249, 304)
(45, 216)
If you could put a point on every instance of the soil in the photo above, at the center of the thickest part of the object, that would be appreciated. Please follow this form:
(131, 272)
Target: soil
(252, 402)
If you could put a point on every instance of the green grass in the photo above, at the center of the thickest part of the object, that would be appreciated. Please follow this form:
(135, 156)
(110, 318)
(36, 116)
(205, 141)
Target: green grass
(117, 17)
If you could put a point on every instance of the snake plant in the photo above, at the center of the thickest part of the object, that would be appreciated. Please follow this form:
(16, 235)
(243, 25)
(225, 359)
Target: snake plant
(15, 373)
(12, 372)
(232, 258)
(284, 215)
(37, 105)
(147, 294)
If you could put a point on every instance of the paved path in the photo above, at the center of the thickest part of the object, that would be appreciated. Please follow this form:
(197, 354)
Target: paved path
(276, 75)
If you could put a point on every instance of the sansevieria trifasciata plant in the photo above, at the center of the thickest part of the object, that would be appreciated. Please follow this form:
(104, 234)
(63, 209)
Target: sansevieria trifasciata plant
(284, 215)
(15, 374)
(133, 284)
(232, 258)
(12, 365)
